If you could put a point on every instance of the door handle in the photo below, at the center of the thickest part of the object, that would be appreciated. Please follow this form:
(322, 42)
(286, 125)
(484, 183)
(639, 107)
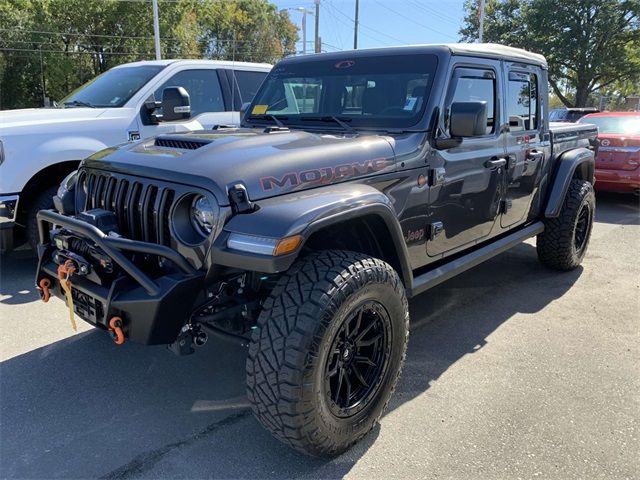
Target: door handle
(535, 155)
(495, 163)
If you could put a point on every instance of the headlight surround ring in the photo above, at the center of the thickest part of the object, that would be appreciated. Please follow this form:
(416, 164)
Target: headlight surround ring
(194, 218)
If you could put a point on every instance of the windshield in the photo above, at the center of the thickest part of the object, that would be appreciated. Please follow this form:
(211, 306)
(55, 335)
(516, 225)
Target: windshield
(625, 125)
(376, 91)
(113, 88)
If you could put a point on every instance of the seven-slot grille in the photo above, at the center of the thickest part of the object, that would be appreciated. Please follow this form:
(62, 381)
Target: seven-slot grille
(141, 208)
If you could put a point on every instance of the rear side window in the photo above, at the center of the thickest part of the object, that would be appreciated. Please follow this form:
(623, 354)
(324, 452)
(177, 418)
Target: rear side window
(522, 101)
(477, 89)
(203, 87)
(249, 83)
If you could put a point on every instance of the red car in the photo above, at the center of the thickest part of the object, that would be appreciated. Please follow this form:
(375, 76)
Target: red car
(618, 160)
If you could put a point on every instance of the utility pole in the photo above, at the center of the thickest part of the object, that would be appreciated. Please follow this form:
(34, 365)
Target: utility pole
(317, 39)
(156, 29)
(481, 35)
(355, 30)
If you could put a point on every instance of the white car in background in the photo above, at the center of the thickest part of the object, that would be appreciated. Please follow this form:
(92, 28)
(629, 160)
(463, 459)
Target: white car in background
(39, 147)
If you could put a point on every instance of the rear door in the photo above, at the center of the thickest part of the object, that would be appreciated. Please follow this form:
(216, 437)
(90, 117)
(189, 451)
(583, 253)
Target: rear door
(466, 181)
(527, 149)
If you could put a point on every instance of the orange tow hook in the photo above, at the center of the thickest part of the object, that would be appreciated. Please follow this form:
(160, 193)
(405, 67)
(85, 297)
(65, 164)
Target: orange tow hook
(44, 285)
(115, 327)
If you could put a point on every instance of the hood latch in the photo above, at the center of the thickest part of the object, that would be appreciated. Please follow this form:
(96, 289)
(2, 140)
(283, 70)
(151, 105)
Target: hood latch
(239, 199)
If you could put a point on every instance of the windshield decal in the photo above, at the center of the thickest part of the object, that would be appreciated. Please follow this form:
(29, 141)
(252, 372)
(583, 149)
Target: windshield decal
(259, 109)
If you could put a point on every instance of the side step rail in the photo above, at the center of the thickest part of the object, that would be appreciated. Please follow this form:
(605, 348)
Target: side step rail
(444, 272)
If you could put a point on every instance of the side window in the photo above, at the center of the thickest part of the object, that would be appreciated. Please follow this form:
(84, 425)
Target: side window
(203, 87)
(249, 83)
(522, 101)
(477, 89)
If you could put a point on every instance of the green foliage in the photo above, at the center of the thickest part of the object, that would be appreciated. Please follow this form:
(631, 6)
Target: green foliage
(589, 44)
(50, 47)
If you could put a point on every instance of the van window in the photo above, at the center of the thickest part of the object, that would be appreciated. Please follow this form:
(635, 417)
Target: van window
(522, 101)
(203, 87)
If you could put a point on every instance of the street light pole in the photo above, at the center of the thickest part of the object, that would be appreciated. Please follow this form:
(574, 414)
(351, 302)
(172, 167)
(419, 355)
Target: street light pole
(156, 29)
(304, 28)
(355, 30)
(317, 39)
(304, 31)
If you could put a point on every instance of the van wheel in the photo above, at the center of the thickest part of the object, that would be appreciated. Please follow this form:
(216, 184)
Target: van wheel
(43, 201)
(563, 244)
(327, 351)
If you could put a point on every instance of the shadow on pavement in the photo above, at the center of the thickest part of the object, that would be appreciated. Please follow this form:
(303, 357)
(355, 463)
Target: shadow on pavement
(617, 208)
(83, 407)
(17, 284)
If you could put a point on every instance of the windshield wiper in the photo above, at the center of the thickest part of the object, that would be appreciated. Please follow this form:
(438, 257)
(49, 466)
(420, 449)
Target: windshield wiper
(331, 118)
(269, 116)
(78, 103)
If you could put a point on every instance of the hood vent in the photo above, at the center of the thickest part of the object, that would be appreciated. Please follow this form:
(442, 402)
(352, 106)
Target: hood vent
(183, 143)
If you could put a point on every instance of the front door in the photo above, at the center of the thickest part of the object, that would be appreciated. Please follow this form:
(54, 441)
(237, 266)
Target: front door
(207, 103)
(526, 147)
(467, 180)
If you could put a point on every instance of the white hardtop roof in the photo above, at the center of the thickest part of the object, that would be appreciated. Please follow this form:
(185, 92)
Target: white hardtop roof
(495, 49)
(487, 50)
(215, 63)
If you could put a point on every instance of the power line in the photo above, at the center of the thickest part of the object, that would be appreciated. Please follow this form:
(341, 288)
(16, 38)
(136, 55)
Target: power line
(71, 34)
(395, 39)
(413, 21)
(436, 13)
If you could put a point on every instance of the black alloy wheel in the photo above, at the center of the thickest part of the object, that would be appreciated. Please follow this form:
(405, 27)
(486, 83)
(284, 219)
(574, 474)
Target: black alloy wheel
(358, 359)
(583, 227)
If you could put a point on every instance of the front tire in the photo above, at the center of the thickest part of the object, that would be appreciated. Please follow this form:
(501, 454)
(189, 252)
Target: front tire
(563, 244)
(44, 201)
(327, 351)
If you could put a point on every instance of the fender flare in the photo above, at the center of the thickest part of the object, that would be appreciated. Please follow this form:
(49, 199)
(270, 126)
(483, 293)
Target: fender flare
(304, 213)
(580, 160)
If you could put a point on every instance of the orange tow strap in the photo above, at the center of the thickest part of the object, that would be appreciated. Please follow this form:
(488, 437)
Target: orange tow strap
(64, 272)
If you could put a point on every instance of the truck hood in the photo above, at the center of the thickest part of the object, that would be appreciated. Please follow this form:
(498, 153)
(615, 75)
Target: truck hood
(266, 163)
(33, 117)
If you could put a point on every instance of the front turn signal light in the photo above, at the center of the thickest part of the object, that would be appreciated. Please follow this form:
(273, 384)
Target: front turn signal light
(287, 245)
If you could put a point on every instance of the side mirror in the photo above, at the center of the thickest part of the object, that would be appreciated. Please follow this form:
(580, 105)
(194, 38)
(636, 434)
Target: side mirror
(175, 104)
(243, 110)
(468, 119)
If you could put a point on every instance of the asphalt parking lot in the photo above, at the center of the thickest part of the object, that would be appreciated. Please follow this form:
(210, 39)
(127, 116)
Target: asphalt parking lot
(513, 371)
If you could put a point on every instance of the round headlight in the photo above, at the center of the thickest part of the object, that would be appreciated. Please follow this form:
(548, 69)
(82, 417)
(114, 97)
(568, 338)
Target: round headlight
(202, 215)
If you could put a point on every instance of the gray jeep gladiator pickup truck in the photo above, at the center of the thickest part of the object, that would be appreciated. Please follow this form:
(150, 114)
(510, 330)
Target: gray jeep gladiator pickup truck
(357, 179)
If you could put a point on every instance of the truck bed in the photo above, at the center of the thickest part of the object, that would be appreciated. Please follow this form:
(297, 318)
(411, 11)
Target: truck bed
(566, 136)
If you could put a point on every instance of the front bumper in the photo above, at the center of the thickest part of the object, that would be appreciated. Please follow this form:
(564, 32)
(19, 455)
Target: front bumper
(617, 180)
(8, 210)
(152, 309)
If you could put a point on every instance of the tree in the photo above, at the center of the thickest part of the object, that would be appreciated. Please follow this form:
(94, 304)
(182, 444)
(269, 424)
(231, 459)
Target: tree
(589, 44)
(50, 47)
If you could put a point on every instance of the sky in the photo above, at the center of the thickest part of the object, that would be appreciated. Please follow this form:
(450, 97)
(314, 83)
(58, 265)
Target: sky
(382, 22)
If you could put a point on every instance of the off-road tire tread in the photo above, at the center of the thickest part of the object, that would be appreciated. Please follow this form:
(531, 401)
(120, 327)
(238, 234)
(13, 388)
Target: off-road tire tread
(555, 244)
(279, 351)
(42, 202)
